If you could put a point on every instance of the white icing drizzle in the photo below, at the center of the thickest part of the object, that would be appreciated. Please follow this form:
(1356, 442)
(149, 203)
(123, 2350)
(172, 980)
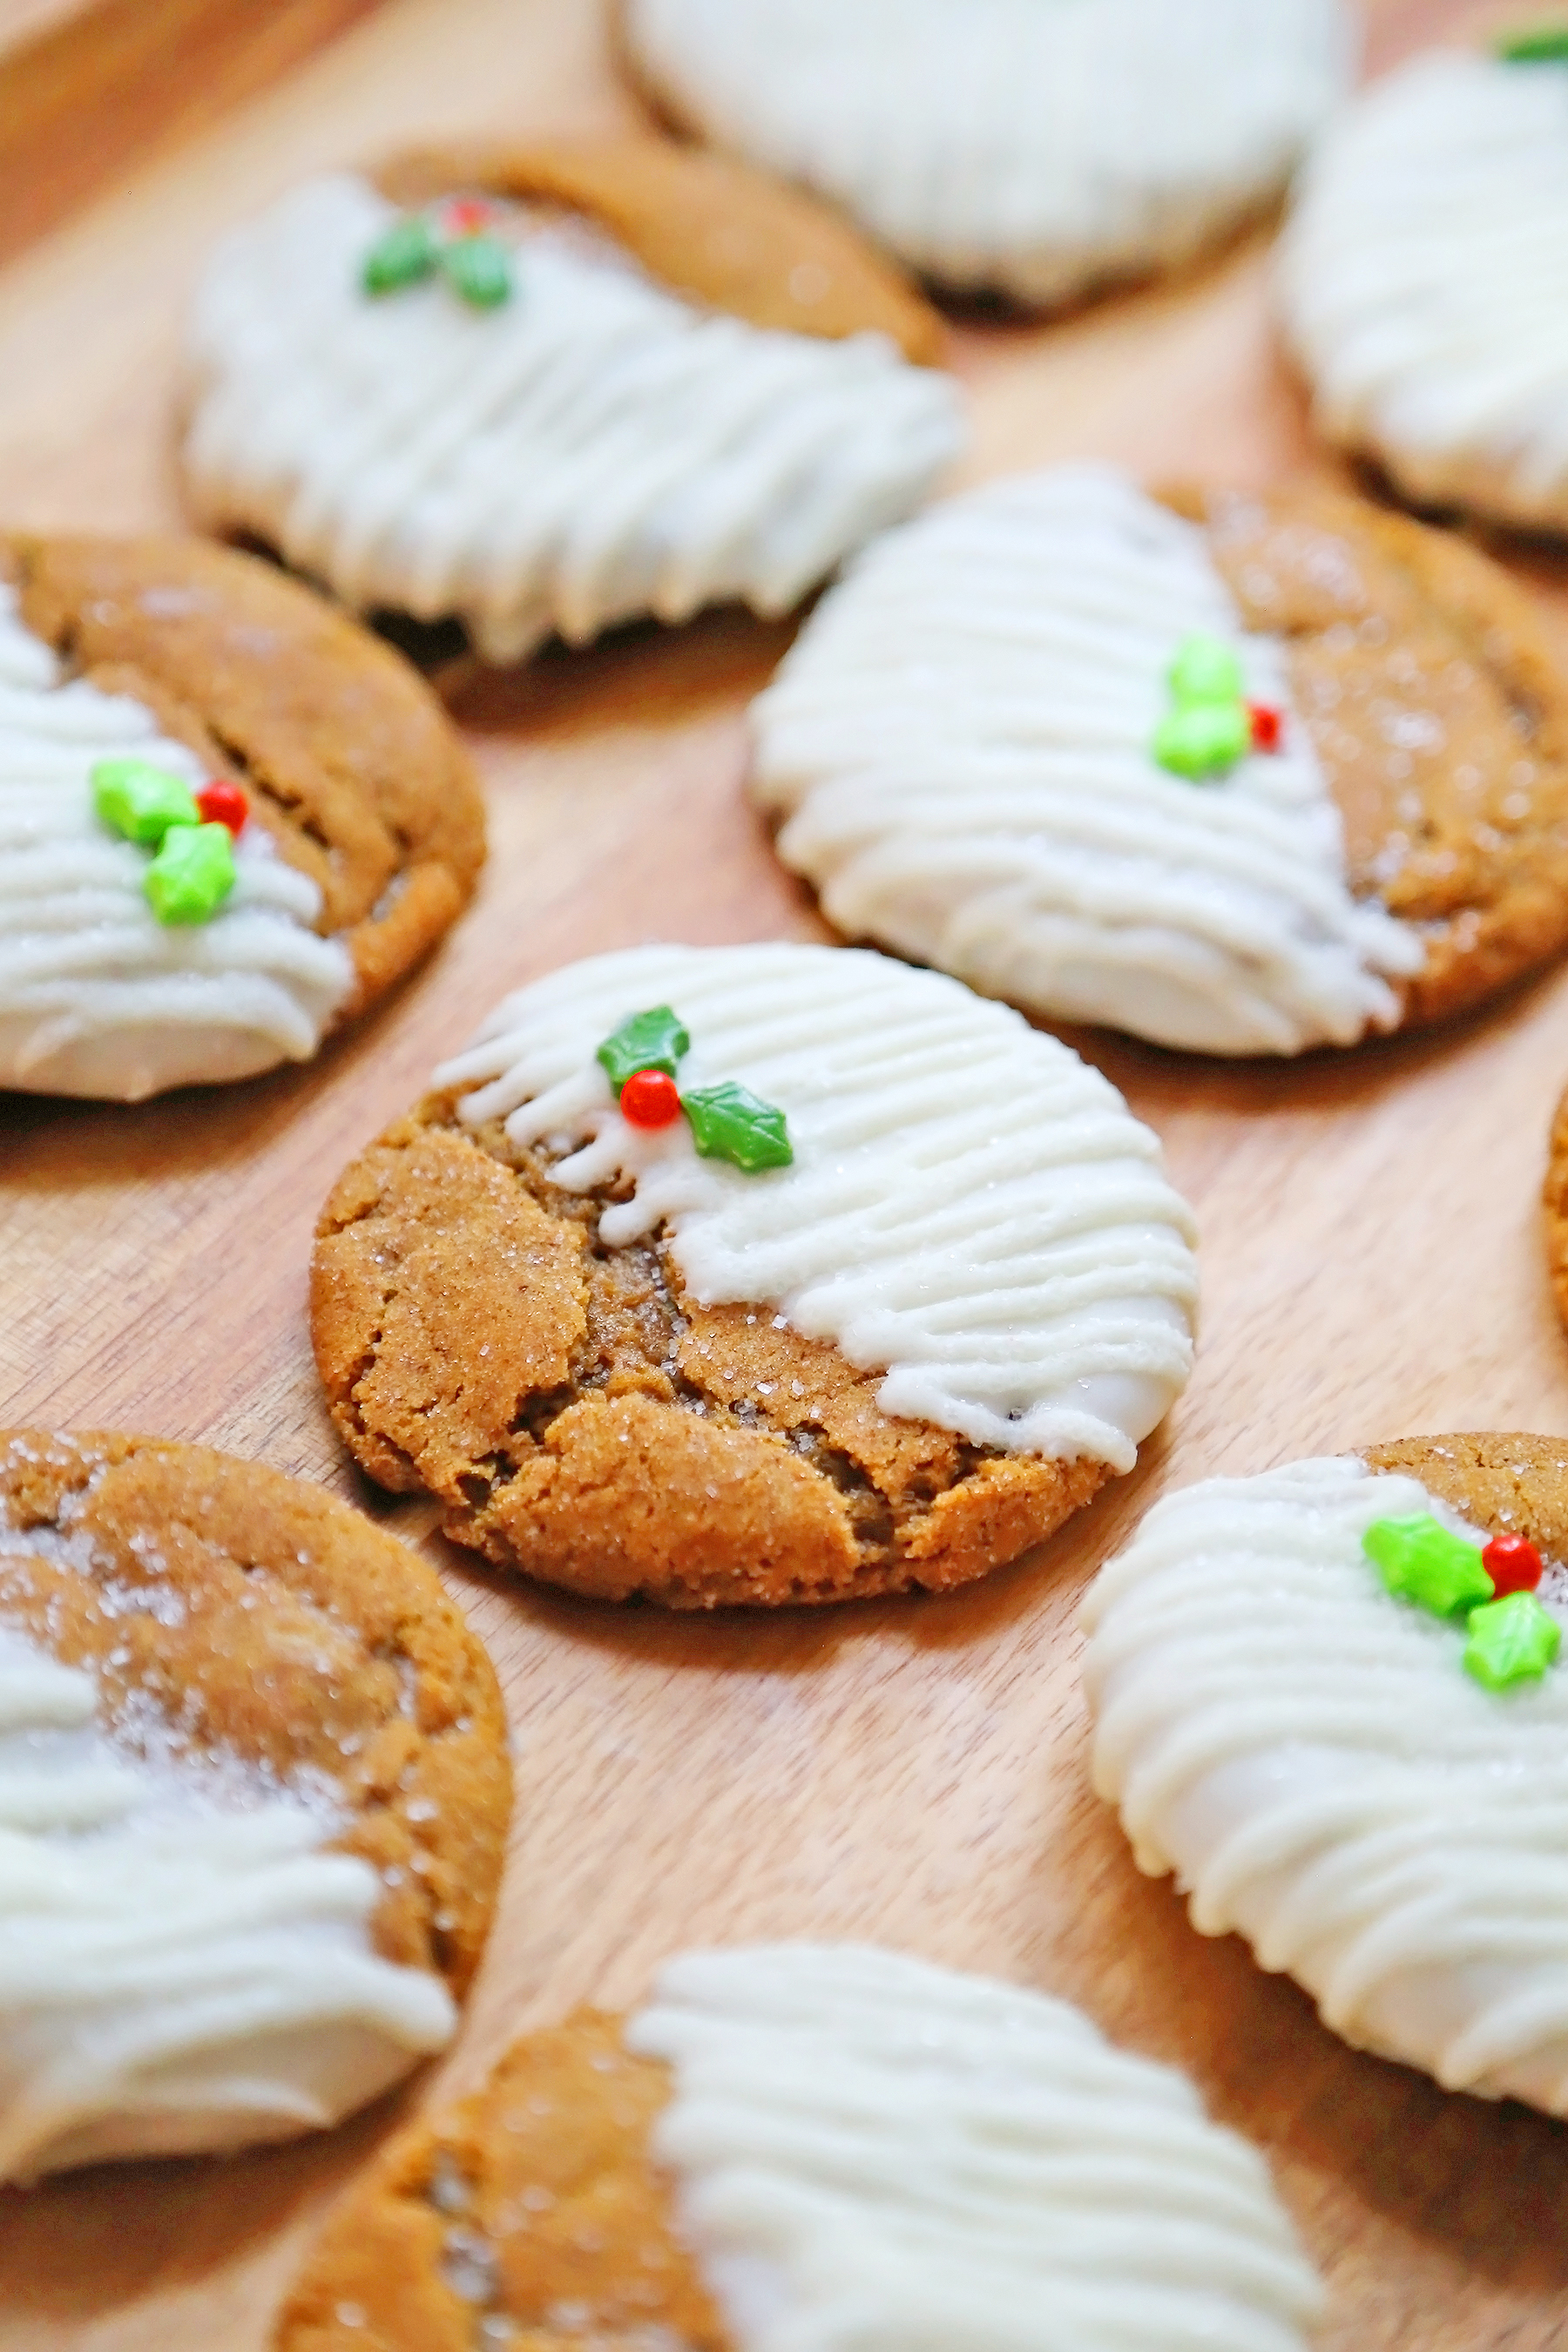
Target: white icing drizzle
(875, 2154)
(970, 1208)
(594, 450)
(1310, 1758)
(97, 997)
(1425, 283)
(181, 1966)
(1032, 147)
(960, 742)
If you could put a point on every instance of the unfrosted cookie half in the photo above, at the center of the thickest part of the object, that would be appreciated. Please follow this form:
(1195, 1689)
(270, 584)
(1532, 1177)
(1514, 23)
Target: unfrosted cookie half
(821, 2147)
(1315, 1727)
(253, 1791)
(963, 754)
(1036, 147)
(604, 381)
(358, 827)
(1422, 283)
(946, 1302)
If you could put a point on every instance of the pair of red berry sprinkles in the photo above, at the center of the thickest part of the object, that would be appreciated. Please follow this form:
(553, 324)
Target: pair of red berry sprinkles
(1490, 1588)
(452, 238)
(191, 834)
(727, 1121)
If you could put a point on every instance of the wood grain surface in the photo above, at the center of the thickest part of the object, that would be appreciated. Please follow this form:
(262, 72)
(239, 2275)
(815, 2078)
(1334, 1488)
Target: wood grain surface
(909, 1771)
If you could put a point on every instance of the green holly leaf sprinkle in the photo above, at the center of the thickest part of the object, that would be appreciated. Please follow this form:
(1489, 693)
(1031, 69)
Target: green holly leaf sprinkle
(1420, 1561)
(655, 1040)
(408, 251)
(1205, 670)
(729, 1122)
(1511, 1641)
(192, 875)
(1545, 45)
(134, 798)
(1203, 739)
(480, 269)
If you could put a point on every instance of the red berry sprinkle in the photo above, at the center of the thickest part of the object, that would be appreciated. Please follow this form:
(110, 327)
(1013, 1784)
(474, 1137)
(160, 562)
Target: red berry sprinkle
(651, 1098)
(1513, 1564)
(466, 215)
(1267, 726)
(222, 802)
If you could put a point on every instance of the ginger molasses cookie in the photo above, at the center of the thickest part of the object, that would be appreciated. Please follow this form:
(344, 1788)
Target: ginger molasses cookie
(1036, 150)
(1330, 1700)
(1420, 278)
(556, 388)
(759, 1274)
(823, 2146)
(229, 819)
(1262, 774)
(254, 1792)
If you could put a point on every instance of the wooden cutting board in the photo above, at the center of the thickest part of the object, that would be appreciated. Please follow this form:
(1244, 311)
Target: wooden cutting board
(913, 1770)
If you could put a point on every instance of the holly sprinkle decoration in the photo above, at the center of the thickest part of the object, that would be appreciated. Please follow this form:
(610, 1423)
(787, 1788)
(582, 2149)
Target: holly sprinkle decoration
(453, 239)
(192, 834)
(1510, 1638)
(728, 1121)
(1209, 726)
(1545, 45)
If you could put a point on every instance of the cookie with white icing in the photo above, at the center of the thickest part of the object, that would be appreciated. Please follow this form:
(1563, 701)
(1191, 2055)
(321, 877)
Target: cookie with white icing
(827, 2146)
(558, 388)
(765, 1274)
(1331, 1701)
(1035, 150)
(968, 753)
(344, 836)
(1420, 283)
(254, 1792)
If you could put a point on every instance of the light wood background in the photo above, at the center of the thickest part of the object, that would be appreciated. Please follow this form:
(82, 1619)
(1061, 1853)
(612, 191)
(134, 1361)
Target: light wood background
(911, 1770)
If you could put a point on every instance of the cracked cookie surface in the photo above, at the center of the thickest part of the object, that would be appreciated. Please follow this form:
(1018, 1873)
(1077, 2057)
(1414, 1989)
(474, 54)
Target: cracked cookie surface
(583, 1418)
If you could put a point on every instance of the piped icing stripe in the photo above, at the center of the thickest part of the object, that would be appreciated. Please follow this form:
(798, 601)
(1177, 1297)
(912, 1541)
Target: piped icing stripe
(961, 745)
(1424, 279)
(1300, 1750)
(969, 1207)
(591, 450)
(1006, 143)
(97, 996)
(874, 2153)
(182, 1966)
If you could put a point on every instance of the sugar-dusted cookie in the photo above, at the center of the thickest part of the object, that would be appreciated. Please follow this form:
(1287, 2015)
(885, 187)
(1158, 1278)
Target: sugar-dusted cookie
(759, 1274)
(560, 387)
(827, 2146)
(229, 819)
(1421, 282)
(1331, 1701)
(254, 1792)
(1266, 773)
(1034, 147)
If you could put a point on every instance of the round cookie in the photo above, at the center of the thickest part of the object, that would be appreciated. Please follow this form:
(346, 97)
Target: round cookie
(559, 387)
(944, 1298)
(976, 753)
(1419, 284)
(729, 2168)
(1330, 1700)
(254, 1790)
(357, 823)
(1004, 145)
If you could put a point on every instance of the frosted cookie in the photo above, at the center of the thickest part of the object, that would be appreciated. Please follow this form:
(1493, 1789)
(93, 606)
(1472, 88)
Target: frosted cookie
(1035, 150)
(758, 1274)
(1421, 281)
(1331, 1701)
(823, 2146)
(560, 388)
(1268, 773)
(254, 1793)
(229, 819)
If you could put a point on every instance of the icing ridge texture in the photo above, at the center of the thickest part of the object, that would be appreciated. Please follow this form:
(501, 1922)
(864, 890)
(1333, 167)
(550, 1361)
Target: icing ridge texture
(592, 450)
